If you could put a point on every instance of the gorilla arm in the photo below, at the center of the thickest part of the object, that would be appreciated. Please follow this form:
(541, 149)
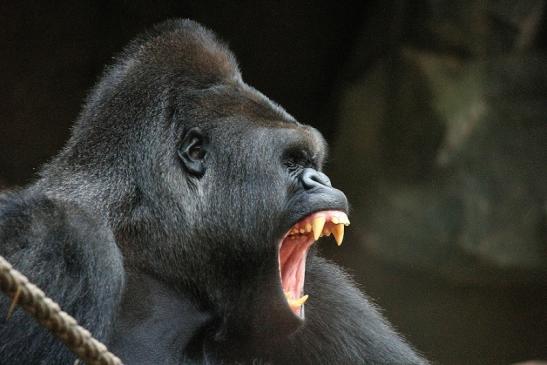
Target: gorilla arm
(72, 258)
(342, 327)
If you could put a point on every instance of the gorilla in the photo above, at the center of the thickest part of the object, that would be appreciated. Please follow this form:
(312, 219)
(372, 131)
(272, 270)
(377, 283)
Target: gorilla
(178, 224)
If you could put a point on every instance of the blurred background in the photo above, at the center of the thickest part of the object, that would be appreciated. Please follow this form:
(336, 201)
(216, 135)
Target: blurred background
(436, 114)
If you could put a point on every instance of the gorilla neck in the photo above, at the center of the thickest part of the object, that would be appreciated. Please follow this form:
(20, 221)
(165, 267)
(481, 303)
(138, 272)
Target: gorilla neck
(98, 194)
(155, 324)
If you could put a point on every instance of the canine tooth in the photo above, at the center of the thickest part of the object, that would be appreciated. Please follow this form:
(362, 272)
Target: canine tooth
(317, 226)
(308, 227)
(334, 220)
(338, 233)
(297, 302)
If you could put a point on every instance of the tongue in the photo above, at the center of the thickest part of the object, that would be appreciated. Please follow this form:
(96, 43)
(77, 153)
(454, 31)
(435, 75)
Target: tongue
(292, 255)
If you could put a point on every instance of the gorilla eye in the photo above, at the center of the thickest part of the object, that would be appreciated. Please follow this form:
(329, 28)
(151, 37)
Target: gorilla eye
(197, 152)
(192, 152)
(296, 160)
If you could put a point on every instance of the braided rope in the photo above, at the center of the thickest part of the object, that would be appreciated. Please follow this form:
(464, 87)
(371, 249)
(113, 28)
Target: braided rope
(49, 314)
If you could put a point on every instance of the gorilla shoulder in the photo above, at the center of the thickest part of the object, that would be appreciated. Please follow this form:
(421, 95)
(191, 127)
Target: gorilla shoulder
(69, 254)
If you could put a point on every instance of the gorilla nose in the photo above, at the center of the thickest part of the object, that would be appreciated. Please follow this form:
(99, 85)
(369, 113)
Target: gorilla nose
(312, 178)
(315, 193)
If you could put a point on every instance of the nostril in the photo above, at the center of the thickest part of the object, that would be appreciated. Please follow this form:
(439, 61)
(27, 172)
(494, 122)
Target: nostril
(312, 178)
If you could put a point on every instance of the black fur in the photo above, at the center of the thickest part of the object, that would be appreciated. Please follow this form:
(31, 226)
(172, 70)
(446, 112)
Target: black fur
(72, 257)
(197, 231)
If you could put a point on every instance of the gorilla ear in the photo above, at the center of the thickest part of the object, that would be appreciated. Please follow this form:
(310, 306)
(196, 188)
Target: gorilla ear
(192, 152)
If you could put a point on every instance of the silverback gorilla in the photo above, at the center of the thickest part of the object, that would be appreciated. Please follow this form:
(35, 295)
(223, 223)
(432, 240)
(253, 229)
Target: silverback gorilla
(175, 224)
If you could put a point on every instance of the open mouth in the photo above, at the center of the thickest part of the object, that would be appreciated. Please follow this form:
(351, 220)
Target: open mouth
(294, 247)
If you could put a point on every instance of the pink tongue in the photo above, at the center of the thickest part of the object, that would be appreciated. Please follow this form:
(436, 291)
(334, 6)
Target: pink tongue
(293, 265)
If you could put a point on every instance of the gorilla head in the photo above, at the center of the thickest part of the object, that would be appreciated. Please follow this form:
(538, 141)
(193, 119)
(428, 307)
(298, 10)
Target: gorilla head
(209, 186)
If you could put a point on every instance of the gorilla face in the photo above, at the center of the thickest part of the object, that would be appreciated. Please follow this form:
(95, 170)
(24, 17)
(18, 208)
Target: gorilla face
(211, 186)
(254, 201)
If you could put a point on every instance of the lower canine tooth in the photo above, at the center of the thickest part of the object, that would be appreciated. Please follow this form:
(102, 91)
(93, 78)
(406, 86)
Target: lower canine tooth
(297, 302)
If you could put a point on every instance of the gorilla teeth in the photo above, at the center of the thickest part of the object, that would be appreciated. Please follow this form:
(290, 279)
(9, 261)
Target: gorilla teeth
(338, 233)
(296, 303)
(317, 225)
(322, 224)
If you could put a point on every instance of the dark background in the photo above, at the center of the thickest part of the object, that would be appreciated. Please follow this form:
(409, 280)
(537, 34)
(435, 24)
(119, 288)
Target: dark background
(436, 113)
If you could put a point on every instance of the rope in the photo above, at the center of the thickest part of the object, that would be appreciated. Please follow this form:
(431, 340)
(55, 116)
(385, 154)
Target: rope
(49, 314)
